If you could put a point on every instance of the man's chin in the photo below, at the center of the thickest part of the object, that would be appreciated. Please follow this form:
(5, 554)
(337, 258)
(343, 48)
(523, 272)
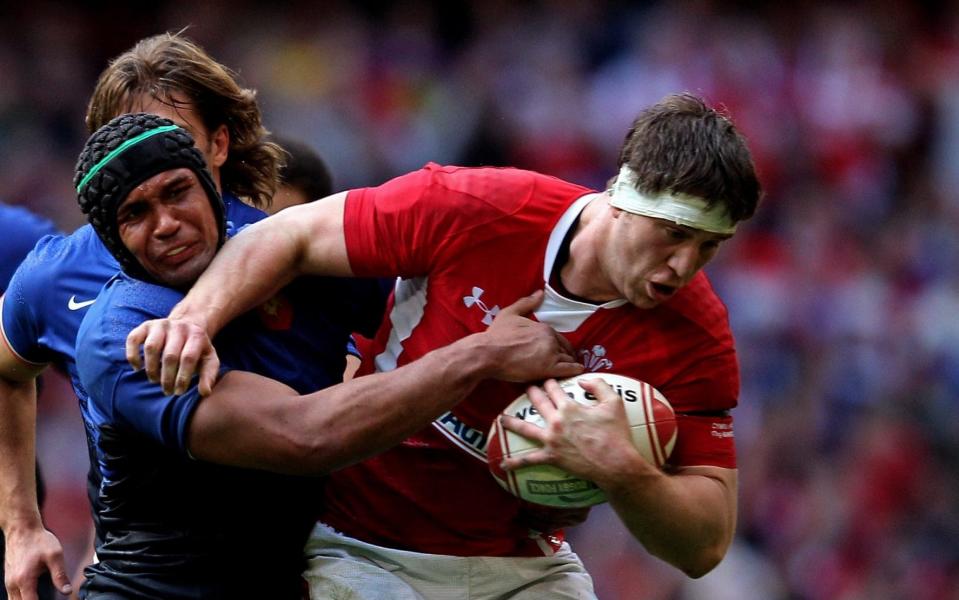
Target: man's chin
(183, 277)
(643, 301)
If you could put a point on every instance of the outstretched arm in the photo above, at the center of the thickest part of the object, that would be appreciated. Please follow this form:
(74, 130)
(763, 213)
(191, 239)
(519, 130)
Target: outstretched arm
(30, 548)
(249, 269)
(686, 517)
(264, 257)
(270, 427)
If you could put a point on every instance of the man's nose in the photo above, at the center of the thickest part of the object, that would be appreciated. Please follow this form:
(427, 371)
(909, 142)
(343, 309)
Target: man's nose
(685, 261)
(167, 223)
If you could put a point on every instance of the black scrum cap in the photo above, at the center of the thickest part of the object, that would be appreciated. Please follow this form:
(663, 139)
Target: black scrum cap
(120, 156)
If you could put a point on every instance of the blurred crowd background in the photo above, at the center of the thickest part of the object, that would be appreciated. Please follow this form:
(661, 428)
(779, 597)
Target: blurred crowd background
(843, 291)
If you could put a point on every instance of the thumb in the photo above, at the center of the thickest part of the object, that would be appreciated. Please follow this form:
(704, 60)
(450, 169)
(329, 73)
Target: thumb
(58, 573)
(524, 305)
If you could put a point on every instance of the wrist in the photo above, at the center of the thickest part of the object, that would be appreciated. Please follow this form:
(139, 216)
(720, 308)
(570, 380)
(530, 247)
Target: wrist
(184, 311)
(473, 357)
(20, 519)
(623, 468)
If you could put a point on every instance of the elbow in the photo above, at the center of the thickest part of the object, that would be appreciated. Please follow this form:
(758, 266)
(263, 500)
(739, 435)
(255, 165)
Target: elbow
(704, 562)
(310, 453)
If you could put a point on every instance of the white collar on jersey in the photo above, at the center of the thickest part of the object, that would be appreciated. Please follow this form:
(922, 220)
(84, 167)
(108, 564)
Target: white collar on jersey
(558, 311)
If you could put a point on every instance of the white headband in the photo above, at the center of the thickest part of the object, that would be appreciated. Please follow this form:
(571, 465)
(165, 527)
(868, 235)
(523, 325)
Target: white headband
(682, 209)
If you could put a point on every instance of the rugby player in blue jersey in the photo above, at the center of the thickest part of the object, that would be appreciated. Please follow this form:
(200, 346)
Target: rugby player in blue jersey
(171, 76)
(176, 518)
(20, 229)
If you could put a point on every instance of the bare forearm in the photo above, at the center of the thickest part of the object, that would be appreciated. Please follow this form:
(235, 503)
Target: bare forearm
(272, 428)
(687, 520)
(367, 415)
(249, 269)
(18, 486)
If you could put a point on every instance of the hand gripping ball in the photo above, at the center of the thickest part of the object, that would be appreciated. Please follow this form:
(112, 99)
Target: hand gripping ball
(651, 420)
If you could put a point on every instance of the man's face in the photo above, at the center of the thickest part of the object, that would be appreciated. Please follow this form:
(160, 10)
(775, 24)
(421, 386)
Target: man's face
(167, 223)
(647, 260)
(211, 144)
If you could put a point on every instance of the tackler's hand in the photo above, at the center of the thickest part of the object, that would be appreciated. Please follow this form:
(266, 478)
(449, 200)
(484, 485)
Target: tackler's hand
(173, 351)
(529, 350)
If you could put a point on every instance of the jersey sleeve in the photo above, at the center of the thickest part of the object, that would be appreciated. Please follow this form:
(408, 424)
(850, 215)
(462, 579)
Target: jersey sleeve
(704, 440)
(389, 229)
(23, 305)
(20, 230)
(412, 224)
(702, 398)
(120, 396)
(141, 405)
(405, 226)
(351, 348)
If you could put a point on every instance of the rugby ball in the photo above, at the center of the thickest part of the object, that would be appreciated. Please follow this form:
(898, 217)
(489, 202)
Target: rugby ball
(651, 420)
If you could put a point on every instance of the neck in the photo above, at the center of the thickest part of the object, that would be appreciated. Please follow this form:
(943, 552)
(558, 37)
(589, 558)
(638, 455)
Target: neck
(581, 276)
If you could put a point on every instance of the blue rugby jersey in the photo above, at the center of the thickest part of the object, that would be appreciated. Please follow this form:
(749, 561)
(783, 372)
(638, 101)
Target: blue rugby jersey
(174, 527)
(56, 283)
(53, 288)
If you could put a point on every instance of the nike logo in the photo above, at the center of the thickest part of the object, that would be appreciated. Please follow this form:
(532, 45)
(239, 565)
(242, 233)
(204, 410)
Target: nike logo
(72, 304)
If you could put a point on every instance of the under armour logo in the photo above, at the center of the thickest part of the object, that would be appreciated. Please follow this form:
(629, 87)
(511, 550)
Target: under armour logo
(490, 313)
(595, 359)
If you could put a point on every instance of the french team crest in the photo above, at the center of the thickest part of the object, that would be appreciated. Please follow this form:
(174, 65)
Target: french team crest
(276, 313)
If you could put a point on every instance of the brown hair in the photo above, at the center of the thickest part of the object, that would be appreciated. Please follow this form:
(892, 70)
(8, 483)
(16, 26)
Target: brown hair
(680, 145)
(167, 64)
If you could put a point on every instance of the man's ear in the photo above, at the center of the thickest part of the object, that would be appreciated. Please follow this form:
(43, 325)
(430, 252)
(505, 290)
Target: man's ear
(219, 146)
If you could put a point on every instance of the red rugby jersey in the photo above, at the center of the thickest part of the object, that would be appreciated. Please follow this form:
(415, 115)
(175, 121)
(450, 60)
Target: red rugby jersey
(468, 241)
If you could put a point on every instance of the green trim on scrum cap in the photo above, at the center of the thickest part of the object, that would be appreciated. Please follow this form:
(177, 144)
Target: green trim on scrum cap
(120, 149)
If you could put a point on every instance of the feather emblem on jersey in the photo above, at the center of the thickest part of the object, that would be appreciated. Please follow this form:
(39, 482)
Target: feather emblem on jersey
(595, 359)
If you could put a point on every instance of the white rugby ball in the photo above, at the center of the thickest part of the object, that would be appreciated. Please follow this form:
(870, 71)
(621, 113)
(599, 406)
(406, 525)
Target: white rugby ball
(651, 420)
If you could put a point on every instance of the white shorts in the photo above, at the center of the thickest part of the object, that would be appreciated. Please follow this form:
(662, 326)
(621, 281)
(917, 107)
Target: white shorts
(340, 567)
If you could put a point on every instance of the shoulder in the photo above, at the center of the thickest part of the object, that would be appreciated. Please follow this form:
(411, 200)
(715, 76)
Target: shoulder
(238, 213)
(508, 187)
(473, 195)
(699, 304)
(122, 304)
(20, 230)
(700, 349)
(18, 223)
(73, 248)
(57, 260)
(125, 302)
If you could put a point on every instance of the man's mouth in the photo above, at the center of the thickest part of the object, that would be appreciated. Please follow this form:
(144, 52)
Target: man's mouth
(177, 254)
(662, 291)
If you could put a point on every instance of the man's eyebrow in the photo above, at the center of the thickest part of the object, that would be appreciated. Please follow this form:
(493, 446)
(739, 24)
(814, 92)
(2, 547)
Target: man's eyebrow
(176, 179)
(722, 237)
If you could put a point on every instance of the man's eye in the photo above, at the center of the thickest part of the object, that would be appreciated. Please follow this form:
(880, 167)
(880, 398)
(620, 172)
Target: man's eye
(130, 214)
